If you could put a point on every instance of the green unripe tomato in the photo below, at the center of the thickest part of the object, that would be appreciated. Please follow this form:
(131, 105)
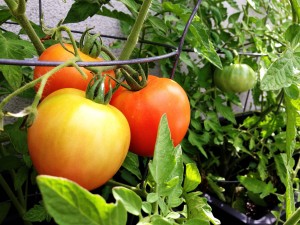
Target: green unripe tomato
(235, 78)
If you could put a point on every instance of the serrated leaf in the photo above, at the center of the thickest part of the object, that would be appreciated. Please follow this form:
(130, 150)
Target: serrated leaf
(131, 163)
(36, 214)
(157, 23)
(257, 186)
(292, 91)
(224, 110)
(17, 137)
(203, 46)
(131, 201)
(21, 177)
(199, 141)
(292, 35)
(80, 11)
(197, 208)
(167, 166)
(283, 72)
(68, 203)
(192, 177)
(280, 168)
(12, 47)
(4, 14)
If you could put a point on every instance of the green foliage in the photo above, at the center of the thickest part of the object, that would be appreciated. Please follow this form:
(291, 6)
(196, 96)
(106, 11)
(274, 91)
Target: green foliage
(67, 202)
(254, 147)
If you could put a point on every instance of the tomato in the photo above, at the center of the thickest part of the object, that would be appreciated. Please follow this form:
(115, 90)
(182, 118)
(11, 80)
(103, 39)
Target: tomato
(78, 139)
(68, 77)
(235, 78)
(144, 109)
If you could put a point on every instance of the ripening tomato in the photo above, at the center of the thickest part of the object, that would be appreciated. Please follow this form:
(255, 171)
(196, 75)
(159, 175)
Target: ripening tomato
(78, 139)
(67, 77)
(144, 109)
(235, 78)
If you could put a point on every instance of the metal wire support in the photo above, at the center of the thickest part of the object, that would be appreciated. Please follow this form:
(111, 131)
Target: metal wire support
(176, 51)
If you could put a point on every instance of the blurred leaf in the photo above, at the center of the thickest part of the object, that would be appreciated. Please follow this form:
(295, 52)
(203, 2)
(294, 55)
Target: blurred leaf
(292, 35)
(131, 163)
(12, 47)
(197, 208)
(17, 136)
(36, 214)
(69, 204)
(131, 201)
(199, 140)
(4, 209)
(81, 10)
(283, 72)
(4, 14)
(192, 177)
(257, 186)
(225, 111)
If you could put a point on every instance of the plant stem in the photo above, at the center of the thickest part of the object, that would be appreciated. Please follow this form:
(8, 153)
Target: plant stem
(295, 10)
(136, 190)
(134, 34)
(31, 84)
(18, 11)
(294, 219)
(12, 197)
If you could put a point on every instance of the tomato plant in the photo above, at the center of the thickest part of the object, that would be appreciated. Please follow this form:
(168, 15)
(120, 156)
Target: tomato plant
(68, 77)
(235, 78)
(85, 142)
(144, 108)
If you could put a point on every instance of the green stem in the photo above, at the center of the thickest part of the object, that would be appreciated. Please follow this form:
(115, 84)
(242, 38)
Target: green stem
(12, 197)
(31, 84)
(136, 190)
(136, 29)
(294, 219)
(290, 144)
(18, 11)
(295, 10)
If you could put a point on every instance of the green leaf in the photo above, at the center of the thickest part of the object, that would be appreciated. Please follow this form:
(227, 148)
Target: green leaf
(197, 221)
(199, 140)
(292, 91)
(202, 45)
(131, 163)
(167, 166)
(4, 14)
(12, 47)
(4, 209)
(192, 177)
(197, 208)
(158, 23)
(280, 168)
(283, 72)
(17, 136)
(292, 35)
(257, 186)
(36, 214)
(9, 162)
(68, 203)
(131, 201)
(225, 111)
(81, 10)
(21, 177)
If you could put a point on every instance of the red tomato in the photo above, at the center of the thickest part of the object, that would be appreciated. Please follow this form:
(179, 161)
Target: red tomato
(144, 109)
(68, 77)
(78, 139)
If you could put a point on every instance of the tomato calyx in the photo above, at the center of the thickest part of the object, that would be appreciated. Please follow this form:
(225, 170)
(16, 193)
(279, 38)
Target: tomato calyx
(96, 90)
(90, 44)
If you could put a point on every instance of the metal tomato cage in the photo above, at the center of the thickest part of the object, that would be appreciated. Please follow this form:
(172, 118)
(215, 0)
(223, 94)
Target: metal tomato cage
(175, 51)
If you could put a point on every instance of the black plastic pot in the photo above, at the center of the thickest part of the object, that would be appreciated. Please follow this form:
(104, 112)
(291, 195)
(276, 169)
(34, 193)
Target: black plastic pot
(229, 216)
